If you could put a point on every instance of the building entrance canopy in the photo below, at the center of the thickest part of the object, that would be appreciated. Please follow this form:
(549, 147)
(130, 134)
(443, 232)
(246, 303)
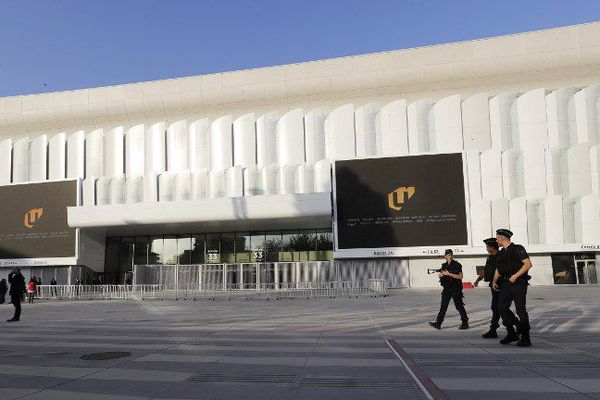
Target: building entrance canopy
(297, 211)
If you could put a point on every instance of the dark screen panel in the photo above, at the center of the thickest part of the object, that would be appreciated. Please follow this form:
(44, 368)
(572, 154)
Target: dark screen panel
(401, 202)
(33, 220)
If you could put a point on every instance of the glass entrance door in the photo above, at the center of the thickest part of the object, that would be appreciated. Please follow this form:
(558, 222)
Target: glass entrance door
(586, 272)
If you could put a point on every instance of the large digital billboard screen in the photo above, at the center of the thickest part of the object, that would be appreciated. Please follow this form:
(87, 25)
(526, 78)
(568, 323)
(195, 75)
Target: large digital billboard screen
(408, 201)
(33, 220)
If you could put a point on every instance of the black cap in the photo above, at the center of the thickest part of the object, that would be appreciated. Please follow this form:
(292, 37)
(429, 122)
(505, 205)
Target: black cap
(491, 242)
(448, 251)
(504, 232)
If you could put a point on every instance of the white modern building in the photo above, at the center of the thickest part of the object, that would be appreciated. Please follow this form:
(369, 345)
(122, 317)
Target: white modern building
(235, 167)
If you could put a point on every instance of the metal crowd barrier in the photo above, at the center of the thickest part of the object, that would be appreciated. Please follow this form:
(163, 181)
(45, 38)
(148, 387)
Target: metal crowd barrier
(215, 291)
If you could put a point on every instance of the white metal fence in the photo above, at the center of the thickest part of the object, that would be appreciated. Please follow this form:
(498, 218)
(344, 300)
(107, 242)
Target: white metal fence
(215, 291)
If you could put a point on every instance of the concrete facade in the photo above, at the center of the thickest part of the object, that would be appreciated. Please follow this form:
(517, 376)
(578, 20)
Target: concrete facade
(523, 107)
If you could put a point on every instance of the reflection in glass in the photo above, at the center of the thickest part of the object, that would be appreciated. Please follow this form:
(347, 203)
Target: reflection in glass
(228, 247)
(155, 250)
(242, 247)
(184, 249)
(563, 269)
(257, 244)
(170, 250)
(324, 245)
(272, 246)
(140, 256)
(198, 243)
(125, 257)
(213, 248)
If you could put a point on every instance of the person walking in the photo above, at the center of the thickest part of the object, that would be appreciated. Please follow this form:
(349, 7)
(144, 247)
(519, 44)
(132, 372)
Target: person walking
(451, 276)
(487, 275)
(511, 279)
(53, 287)
(17, 288)
(31, 290)
(3, 290)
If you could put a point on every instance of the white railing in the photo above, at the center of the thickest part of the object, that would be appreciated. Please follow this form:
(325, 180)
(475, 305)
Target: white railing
(214, 291)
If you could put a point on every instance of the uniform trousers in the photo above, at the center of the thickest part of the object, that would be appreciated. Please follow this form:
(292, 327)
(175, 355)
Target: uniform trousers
(495, 323)
(456, 294)
(516, 292)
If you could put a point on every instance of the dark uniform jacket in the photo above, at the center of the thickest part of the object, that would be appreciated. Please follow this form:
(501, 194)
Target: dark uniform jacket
(17, 283)
(510, 260)
(449, 282)
(490, 268)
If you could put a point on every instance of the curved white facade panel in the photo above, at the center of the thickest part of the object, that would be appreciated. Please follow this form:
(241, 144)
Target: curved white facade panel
(199, 184)
(94, 154)
(586, 114)
(304, 179)
(177, 147)
(314, 134)
(244, 141)
(221, 144)
(500, 121)
(134, 189)
(445, 134)
(20, 158)
(391, 128)
(251, 179)
(365, 129)
(340, 141)
(150, 188)
(165, 187)
(234, 181)
(113, 152)
(135, 151)
(418, 126)
(76, 155)
(155, 151)
(182, 186)
(265, 138)
(475, 112)
(289, 138)
(57, 156)
(198, 145)
(268, 179)
(5, 161)
(560, 117)
(531, 119)
(38, 158)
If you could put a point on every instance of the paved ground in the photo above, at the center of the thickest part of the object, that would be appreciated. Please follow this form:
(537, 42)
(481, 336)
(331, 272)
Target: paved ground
(300, 349)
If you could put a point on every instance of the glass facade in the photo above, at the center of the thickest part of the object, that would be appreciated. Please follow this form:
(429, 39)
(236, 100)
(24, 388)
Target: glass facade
(122, 253)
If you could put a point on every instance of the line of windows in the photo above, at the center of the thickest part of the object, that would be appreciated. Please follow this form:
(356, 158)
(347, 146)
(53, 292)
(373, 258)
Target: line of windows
(272, 246)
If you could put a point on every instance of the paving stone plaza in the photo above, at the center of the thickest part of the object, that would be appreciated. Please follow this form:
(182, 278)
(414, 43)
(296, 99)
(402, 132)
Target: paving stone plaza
(300, 349)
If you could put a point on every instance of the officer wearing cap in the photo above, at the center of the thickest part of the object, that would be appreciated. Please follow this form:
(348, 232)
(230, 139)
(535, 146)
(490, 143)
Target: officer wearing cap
(487, 275)
(451, 280)
(511, 279)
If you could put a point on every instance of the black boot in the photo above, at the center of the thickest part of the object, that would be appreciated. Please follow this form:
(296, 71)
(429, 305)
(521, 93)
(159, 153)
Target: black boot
(464, 326)
(491, 334)
(436, 325)
(525, 340)
(511, 337)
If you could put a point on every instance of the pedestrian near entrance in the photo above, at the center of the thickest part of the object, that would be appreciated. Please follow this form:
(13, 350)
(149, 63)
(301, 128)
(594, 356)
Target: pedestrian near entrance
(511, 279)
(17, 288)
(487, 275)
(31, 290)
(451, 280)
(3, 290)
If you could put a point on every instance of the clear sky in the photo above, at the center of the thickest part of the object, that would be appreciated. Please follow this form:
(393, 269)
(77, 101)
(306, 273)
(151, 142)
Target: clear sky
(51, 45)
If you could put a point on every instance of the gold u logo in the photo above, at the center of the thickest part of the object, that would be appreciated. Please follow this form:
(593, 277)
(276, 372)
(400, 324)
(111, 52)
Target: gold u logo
(398, 197)
(32, 216)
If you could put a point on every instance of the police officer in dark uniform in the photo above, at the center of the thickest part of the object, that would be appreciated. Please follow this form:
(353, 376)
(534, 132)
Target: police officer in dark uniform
(511, 279)
(487, 275)
(451, 280)
(17, 288)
